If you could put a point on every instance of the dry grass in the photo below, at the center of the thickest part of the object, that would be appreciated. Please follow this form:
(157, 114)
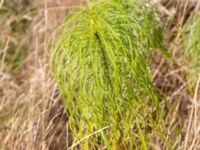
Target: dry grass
(31, 114)
(31, 110)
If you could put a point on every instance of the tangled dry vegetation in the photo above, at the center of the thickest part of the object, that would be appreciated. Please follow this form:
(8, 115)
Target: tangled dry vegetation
(31, 110)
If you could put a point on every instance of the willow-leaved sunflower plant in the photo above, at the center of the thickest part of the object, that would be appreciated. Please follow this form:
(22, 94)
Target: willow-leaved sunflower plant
(101, 64)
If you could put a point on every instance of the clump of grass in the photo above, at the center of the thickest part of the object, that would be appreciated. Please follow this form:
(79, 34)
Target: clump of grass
(191, 39)
(100, 62)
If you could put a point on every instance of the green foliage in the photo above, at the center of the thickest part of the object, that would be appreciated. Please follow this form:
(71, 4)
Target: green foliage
(14, 56)
(14, 15)
(100, 62)
(191, 40)
(15, 20)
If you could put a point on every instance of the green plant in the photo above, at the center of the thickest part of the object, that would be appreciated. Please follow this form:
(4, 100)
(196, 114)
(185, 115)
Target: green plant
(191, 40)
(20, 14)
(100, 62)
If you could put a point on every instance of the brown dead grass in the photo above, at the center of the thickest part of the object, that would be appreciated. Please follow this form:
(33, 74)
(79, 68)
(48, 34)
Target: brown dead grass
(31, 111)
